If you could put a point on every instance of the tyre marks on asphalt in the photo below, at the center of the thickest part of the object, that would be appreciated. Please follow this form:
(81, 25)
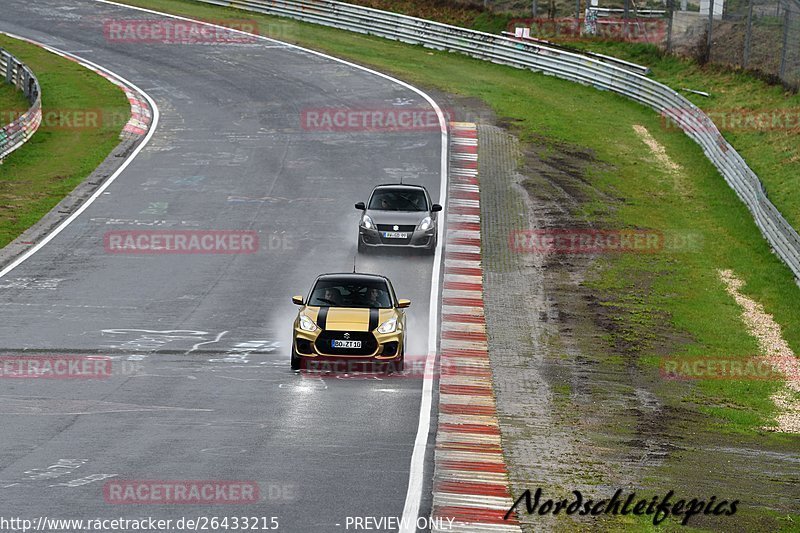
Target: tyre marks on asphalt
(470, 481)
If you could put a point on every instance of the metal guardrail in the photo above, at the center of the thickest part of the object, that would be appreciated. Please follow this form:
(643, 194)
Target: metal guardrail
(17, 132)
(783, 238)
(641, 69)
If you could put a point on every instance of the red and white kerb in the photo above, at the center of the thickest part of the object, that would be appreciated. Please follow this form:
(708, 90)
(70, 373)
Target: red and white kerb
(470, 481)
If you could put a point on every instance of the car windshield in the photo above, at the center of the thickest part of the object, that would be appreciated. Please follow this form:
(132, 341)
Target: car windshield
(347, 293)
(398, 200)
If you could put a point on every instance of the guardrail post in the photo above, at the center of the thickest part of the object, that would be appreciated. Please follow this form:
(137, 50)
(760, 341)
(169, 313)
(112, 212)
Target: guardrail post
(671, 15)
(10, 66)
(748, 35)
(710, 30)
(785, 45)
(3, 62)
(25, 78)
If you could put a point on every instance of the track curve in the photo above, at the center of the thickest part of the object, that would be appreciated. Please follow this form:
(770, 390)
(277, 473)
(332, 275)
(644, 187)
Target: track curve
(210, 395)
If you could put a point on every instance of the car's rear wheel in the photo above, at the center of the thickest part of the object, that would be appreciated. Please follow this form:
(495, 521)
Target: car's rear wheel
(295, 360)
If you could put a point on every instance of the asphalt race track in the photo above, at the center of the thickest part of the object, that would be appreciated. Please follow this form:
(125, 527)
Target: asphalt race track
(202, 387)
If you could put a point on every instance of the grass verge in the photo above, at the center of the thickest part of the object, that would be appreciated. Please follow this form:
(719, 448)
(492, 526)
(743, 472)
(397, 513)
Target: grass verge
(12, 102)
(63, 151)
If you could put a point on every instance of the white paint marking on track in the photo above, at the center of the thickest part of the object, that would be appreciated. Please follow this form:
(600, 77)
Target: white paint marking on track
(196, 346)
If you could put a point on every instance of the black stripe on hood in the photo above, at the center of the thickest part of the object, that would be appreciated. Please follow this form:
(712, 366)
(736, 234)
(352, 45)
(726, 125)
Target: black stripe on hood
(322, 317)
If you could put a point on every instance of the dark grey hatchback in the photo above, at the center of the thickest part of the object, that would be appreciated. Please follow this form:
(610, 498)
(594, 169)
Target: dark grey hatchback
(400, 216)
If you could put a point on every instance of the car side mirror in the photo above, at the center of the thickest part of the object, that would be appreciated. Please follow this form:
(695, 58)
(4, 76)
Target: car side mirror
(402, 304)
(297, 300)
(361, 207)
(435, 208)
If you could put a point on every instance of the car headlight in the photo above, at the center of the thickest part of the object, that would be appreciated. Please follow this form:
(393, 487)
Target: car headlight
(306, 324)
(366, 222)
(389, 326)
(426, 224)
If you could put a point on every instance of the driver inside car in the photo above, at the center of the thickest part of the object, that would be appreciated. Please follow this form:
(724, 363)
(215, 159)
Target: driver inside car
(330, 296)
(376, 298)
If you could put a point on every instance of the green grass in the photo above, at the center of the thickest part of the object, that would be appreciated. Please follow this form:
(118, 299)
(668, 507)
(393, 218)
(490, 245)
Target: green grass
(37, 176)
(651, 295)
(12, 103)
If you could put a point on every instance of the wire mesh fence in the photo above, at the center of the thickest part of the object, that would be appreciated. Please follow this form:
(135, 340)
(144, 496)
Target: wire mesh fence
(758, 35)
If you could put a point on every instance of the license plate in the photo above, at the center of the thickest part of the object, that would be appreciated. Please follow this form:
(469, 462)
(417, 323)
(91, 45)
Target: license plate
(395, 235)
(345, 344)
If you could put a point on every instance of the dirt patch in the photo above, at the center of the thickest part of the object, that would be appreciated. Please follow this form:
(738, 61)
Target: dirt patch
(673, 169)
(775, 350)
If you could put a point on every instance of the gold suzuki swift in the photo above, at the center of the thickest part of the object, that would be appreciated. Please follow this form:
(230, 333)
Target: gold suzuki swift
(352, 317)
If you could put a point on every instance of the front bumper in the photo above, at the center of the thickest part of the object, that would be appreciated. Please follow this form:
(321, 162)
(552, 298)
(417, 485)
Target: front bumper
(314, 345)
(417, 239)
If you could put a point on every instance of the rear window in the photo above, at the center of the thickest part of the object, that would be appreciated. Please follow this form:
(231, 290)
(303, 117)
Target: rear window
(398, 200)
(346, 293)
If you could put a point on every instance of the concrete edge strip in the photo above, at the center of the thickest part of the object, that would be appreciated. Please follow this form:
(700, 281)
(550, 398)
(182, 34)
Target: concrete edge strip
(135, 135)
(470, 481)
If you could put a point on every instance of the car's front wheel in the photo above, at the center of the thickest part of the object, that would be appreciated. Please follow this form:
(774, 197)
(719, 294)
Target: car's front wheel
(432, 248)
(398, 365)
(362, 248)
(295, 360)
